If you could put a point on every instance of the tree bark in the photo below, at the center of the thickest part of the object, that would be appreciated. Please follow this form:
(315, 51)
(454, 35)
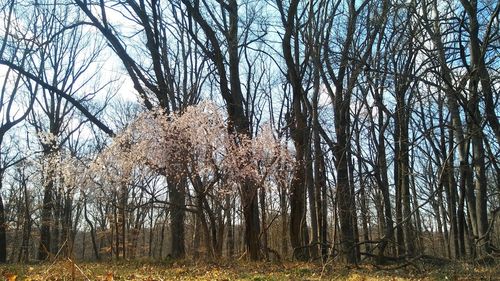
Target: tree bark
(177, 213)
(46, 218)
(252, 226)
(3, 234)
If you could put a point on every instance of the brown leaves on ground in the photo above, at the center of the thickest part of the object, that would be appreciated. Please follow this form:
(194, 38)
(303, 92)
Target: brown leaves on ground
(9, 276)
(230, 270)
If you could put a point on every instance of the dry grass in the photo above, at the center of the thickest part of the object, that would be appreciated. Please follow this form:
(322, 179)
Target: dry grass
(225, 270)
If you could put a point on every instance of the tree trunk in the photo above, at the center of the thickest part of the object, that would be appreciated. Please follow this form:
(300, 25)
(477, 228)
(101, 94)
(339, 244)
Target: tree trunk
(263, 212)
(177, 213)
(284, 218)
(230, 227)
(123, 219)
(3, 234)
(449, 184)
(46, 219)
(24, 252)
(297, 195)
(480, 186)
(357, 248)
(383, 182)
(478, 75)
(56, 222)
(362, 195)
(252, 224)
(320, 190)
(92, 230)
(314, 248)
(465, 171)
(299, 135)
(345, 198)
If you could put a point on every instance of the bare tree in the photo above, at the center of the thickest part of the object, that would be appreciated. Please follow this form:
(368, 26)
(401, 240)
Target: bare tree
(12, 112)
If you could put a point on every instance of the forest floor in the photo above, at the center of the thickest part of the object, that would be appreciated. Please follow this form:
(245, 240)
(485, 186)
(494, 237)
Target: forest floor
(240, 270)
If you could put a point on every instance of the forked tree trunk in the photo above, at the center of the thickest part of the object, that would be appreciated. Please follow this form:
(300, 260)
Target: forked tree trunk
(95, 247)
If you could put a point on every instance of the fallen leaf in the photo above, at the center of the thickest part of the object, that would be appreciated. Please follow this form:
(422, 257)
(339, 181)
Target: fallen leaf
(10, 276)
(109, 276)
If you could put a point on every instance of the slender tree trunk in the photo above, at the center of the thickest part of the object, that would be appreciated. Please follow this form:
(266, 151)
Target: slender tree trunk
(46, 219)
(265, 247)
(446, 235)
(117, 232)
(122, 218)
(314, 249)
(92, 231)
(66, 226)
(24, 252)
(357, 248)
(419, 245)
(162, 232)
(449, 183)
(3, 234)
(284, 219)
(461, 219)
(466, 175)
(320, 189)
(151, 232)
(362, 195)
(383, 184)
(230, 227)
(56, 225)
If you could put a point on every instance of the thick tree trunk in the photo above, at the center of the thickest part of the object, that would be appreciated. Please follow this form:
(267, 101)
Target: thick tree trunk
(479, 75)
(345, 198)
(297, 194)
(406, 238)
(252, 224)
(480, 186)
(177, 213)
(299, 135)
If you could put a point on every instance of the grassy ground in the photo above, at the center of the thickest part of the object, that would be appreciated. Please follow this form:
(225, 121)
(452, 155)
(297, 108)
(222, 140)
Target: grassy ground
(189, 270)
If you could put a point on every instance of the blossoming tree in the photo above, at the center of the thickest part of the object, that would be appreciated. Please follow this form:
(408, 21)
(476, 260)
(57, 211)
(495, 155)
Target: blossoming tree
(195, 149)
